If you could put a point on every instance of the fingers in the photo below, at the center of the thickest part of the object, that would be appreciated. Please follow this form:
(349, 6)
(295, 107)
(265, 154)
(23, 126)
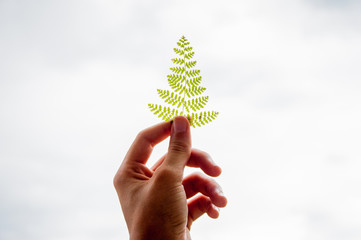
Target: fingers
(204, 161)
(198, 159)
(179, 149)
(211, 198)
(143, 145)
(197, 182)
(198, 206)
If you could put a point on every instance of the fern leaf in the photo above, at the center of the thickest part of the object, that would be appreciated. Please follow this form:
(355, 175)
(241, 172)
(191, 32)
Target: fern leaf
(202, 118)
(193, 73)
(177, 70)
(190, 64)
(188, 49)
(166, 113)
(184, 97)
(195, 90)
(183, 39)
(178, 61)
(195, 81)
(180, 44)
(169, 97)
(176, 78)
(176, 86)
(178, 51)
(197, 103)
(189, 55)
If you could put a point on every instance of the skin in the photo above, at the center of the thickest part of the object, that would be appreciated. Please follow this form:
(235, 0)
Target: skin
(159, 203)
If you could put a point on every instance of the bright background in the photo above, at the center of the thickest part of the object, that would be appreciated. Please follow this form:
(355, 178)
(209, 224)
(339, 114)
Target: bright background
(76, 77)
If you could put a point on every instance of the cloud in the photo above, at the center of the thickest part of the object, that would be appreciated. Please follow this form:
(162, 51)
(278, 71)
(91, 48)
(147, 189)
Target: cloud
(335, 3)
(76, 77)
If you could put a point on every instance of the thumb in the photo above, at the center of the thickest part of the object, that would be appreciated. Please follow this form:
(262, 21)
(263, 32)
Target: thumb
(180, 144)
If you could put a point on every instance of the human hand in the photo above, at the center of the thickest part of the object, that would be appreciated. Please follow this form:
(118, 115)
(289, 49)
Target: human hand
(154, 201)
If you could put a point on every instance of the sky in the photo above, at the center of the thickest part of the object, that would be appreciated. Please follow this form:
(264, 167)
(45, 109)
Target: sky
(76, 77)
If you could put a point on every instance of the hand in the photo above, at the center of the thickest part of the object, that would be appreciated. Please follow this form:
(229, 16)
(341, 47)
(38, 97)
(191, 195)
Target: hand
(154, 201)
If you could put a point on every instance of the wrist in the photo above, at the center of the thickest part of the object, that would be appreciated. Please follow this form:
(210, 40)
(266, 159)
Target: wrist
(156, 232)
(151, 235)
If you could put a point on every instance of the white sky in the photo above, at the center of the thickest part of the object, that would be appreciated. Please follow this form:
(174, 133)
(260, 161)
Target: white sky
(76, 77)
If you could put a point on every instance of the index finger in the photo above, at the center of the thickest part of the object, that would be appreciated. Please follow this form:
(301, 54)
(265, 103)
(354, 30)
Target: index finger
(143, 144)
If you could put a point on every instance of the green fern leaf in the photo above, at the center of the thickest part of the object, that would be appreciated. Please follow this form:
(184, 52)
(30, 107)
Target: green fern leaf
(197, 103)
(195, 90)
(190, 64)
(189, 55)
(185, 99)
(192, 73)
(178, 61)
(175, 79)
(178, 51)
(177, 70)
(188, 49)
(195, 81)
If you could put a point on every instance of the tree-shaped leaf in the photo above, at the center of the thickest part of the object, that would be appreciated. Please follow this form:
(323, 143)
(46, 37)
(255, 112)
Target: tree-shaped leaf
(185, 99)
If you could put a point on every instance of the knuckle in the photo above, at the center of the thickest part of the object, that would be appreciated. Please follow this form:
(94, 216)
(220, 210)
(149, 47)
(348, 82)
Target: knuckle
(116, 181)
(166, 175)
(207, 157)
(213, 184)
(179, 147)
(209, 188)
(204, 204)
(214, 188)
(140, 135)
(119, 179)
(198, 176)
(205, 154)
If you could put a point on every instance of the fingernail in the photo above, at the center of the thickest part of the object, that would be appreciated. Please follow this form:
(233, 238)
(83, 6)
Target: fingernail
(180, 124)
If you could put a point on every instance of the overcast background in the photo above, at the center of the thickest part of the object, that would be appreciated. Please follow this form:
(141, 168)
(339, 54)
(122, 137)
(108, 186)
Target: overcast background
(76, 77)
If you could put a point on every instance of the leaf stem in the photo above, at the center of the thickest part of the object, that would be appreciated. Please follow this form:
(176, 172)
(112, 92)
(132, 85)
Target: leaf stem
(185, 82)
